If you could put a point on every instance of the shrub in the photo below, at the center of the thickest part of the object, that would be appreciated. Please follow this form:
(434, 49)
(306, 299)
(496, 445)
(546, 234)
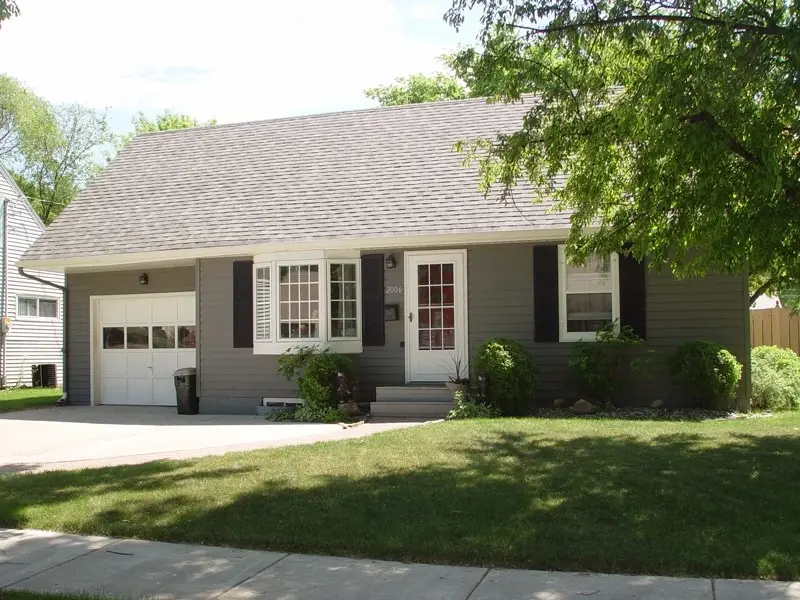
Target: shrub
(775, 378)
(280, 415)
(599, 368)
(468, 406)
(511, 375)
(708, 373)
(308, 414)
(316, 373)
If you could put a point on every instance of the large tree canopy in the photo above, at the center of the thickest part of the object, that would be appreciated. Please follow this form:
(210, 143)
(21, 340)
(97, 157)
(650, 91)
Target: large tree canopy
(8, 9)
(419, 88)
(677, 124)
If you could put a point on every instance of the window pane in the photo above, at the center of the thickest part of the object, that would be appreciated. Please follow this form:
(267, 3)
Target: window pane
(313, 274)
(113, 338)
(422, 274)
(349, 291)
(187, 336)
(436, 274)
(447, 273)
(299, 303)
(588, 312)
(350, 309)
(349, 272)
(449, 339)
(336, 310)
(337, 328)
(26, 307)
(137, 338)
(337, 291)
(594, 264)
(594, 276)
(163, 336)
(48, 308)
(350, 328)
(336, 272)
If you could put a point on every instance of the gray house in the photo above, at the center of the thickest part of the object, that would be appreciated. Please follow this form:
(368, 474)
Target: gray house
(361, 231)
(30, 312)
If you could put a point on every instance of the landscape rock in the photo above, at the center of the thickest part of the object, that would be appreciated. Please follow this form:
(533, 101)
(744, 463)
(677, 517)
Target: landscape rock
(657, 404)
(559, 402)
(582, 407)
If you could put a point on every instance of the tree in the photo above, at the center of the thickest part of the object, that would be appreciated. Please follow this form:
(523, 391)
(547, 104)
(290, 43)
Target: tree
(676, 123)
(418, 88)
(8, 9)
(53, 171)
(25, 119)
(166, 121)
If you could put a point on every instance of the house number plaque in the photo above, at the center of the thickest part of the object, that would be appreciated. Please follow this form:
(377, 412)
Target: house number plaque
(394, 289)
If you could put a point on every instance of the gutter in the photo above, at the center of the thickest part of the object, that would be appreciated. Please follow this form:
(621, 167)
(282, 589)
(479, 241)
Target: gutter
(4, 299)
(63, 288)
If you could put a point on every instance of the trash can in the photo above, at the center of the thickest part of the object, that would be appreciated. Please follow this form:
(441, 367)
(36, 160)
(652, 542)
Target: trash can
(186, 391)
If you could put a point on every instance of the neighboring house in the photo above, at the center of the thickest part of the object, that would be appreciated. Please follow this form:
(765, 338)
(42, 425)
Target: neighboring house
(30, 310)
(766, 301)
(362, 231)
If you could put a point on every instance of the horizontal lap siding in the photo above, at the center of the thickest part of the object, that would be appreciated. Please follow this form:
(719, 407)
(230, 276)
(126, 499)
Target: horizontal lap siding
(81, 286)
(501, 305)
(232, 380)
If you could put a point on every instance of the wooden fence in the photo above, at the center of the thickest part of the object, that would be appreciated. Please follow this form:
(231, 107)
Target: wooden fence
(775, 327)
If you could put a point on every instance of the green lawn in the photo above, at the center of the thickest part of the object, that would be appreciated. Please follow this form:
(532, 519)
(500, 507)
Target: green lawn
(714, 498)
(17, 595)
(22, 398)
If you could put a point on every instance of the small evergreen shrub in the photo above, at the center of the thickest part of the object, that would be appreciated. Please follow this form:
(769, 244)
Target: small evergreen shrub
(315, 371)
(280, 415)
(511, 375)
(775, 378)
(469, 406)
(599, 368)
(708, 373)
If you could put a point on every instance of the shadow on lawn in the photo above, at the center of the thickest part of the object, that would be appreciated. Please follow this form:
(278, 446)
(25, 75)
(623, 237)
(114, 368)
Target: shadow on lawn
(675, 505)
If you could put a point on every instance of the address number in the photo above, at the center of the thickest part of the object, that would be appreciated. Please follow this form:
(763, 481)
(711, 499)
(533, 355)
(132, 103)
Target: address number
(394, 289)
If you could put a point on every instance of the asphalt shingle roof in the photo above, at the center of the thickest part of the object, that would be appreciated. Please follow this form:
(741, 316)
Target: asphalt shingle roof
(360, 174)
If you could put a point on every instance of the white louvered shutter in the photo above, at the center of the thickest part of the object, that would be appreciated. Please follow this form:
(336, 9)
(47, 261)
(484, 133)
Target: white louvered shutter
(262, 304)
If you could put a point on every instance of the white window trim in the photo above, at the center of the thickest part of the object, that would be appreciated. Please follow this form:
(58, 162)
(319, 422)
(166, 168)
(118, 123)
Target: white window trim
(323, 259)
(585, 336)
(37, 317)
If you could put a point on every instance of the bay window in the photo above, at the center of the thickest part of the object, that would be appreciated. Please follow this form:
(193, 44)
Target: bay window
(305, 299)
(588, 296)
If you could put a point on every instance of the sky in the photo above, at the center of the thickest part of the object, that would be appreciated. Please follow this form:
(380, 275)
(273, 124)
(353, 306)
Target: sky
(235, 60)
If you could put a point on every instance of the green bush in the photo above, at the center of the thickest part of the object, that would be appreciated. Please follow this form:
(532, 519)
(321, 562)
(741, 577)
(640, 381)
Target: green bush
(599, 368)
(775, 378)
(708, 373)
(308, 414)
(315, 372)
(511, 375)
(467, 406)
(280, 415)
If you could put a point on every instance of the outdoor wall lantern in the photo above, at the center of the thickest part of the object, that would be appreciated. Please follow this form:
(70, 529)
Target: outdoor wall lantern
(143, 279)
(390, 262)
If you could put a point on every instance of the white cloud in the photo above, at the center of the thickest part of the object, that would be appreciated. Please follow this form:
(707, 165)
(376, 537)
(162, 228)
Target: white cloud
(235, 60)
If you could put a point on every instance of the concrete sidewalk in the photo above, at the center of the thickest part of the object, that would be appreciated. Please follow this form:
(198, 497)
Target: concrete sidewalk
(50, 562)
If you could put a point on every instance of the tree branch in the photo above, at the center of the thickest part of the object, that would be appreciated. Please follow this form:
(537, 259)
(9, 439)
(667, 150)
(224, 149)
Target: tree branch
(734, 145)
(709, 22)
(761, 289)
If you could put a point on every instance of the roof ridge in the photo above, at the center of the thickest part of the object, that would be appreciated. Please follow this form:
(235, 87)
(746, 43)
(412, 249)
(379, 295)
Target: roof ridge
(396, 107)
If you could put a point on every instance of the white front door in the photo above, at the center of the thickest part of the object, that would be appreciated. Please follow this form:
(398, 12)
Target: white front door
(141, 341)
(436, 314)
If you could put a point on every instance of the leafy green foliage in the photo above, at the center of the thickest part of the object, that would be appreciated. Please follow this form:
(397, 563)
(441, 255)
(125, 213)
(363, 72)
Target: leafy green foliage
(26, 120)
(418, 88)
(166, 121)
(676, 124)
(708, 373)
(467, 406)
(775, 375)
(511, 375)
(8, 9)
(599, 368)
(315, 371)
(280, 415)
(319, 414)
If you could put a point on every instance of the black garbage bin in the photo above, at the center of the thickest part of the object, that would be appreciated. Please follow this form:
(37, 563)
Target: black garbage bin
(186, 391)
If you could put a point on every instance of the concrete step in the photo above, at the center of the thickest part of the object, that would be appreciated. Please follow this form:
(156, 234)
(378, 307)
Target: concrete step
(413, 393)
(414, 409)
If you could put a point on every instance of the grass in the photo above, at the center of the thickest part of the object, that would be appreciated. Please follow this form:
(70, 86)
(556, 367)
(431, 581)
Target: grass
(20, 595)
(711, 498)
(25, 398)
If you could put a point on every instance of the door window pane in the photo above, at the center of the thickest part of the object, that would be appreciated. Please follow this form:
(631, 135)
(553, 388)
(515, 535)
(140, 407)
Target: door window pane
(48, 309)
(113, 338)
(187, 336)
(163, 337)
(137, 338)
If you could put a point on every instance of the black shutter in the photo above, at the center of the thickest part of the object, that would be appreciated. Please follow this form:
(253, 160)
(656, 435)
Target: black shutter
(372, 325)
(243, 304)
(545, 293)
(632, 298)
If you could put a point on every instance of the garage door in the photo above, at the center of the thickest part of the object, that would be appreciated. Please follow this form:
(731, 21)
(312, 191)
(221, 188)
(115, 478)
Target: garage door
(143, 340)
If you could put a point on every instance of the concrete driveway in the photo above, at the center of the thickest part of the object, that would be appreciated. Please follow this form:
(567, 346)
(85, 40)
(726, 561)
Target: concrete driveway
(90, 436)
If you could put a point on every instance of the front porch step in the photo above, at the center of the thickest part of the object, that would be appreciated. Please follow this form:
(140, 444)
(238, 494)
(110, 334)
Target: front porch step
(412, 393)
(413, 409)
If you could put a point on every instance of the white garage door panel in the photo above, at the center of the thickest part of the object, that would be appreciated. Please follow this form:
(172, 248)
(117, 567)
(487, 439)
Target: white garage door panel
(143, 374)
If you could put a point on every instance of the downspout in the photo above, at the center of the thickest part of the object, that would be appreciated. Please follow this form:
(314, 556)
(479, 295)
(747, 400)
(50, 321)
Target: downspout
(64, 329)
(5, 319)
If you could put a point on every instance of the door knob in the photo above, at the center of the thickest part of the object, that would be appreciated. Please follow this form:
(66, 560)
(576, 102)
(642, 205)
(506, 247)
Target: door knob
(410, 317)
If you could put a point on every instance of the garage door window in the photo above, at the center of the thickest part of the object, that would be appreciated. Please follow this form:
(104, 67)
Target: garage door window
(163, 337)
(186, 336)
(113, 338)
(137, 338)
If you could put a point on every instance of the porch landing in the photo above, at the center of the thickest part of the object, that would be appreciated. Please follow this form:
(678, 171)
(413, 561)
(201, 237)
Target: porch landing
(412, 401)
